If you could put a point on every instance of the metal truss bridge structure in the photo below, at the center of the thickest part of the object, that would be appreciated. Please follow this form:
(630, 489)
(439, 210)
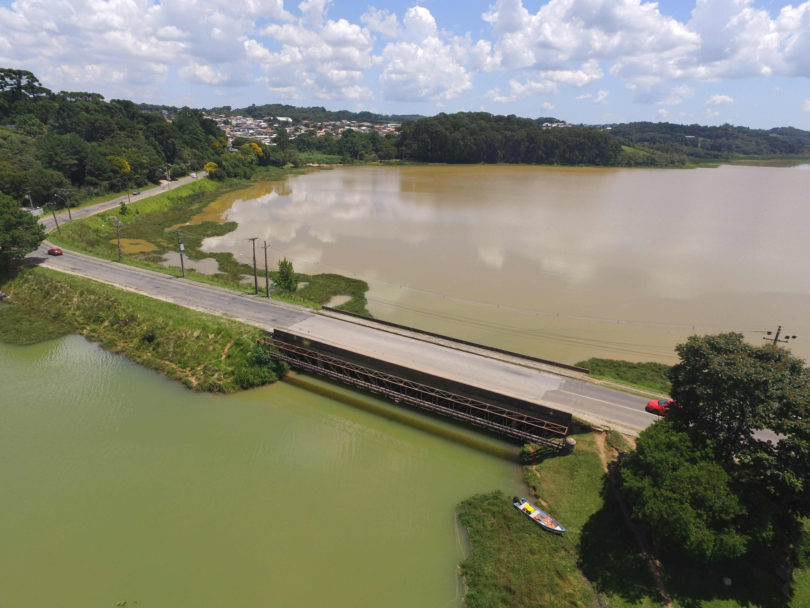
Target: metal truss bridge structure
(502, 415)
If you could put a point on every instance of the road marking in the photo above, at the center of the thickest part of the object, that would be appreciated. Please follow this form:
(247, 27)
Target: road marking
(625, 407)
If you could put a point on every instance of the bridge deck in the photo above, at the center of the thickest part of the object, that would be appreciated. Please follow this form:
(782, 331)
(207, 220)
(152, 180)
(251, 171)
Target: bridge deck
(490, 372)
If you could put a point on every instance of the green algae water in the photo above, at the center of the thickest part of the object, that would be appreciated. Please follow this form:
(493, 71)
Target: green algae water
(117, 485)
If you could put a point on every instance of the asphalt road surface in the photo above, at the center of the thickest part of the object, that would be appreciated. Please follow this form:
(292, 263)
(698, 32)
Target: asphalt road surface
(567, 391)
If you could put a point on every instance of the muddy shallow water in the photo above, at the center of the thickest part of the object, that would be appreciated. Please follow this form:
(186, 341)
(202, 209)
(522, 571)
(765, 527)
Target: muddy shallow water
(563, 263)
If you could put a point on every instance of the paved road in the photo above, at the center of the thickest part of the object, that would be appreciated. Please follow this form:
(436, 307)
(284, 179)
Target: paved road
(62, 215)
(566, 391)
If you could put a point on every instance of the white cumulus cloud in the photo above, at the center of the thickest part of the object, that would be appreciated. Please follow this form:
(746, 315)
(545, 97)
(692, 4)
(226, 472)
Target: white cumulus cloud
(317, 49)
(717, 100)
(325, 61)
(422, 66)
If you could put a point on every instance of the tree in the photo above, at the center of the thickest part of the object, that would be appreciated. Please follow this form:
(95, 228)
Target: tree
(20, 83)
(120, 165)
(122, 168)
(729, 389)
(728, 392)
(282, 139)
(286, 275)
(685, 498)
(20, 233)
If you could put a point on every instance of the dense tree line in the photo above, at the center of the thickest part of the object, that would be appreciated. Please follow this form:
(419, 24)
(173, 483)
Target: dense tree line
(58, 145)
(479, 137)
(713, 143)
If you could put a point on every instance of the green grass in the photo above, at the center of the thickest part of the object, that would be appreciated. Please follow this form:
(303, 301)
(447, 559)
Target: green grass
(801, 589)
(513, 563)
(103, 197)
(205, 352)
(319, 158)
(649, 376)
(153, 220)
(598, 562)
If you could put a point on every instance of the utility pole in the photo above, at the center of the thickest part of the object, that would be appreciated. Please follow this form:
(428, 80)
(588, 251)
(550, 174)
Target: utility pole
(117, 223)
(266, 275)
(66, 201)
(255, 276)
(28, 196)
(180, 248)
(776, 339)
(53, 212)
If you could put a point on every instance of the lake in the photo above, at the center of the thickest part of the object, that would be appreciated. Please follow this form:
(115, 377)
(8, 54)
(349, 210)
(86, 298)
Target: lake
(121, 486)
(561, 263)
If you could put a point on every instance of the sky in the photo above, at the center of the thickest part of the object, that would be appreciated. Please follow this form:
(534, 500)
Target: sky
(711, 62)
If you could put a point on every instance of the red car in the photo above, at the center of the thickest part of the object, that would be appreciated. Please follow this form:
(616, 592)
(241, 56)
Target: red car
(54, 251)
(659, 406)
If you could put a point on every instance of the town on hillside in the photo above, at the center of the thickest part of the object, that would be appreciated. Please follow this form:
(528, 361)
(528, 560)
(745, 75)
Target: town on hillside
(264, 129)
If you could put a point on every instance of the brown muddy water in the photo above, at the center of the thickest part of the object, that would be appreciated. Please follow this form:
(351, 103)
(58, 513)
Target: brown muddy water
(561, 263)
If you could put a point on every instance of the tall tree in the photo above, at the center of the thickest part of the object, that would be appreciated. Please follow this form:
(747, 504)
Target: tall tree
(20, 233)
(729, 392)
(685, 498)
(728, 389)
(286, 275)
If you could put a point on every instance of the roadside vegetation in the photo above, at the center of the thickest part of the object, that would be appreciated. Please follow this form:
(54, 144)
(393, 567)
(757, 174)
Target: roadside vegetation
(700, 514)
(59, 148)
(151, 228)
(598, 561)
(20, 233)
(647, 376)
(204, 352)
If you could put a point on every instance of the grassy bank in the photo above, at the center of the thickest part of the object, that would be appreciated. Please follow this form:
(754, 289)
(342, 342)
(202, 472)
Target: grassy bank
(515, 563)
(598, 562)
(204, 352)
(647, 376)
(150, 230)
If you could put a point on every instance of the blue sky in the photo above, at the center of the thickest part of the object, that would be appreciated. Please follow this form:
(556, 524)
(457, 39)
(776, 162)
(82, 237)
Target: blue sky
(744, 62)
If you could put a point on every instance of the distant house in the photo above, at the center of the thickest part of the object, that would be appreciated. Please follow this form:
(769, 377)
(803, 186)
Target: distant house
(284, 119)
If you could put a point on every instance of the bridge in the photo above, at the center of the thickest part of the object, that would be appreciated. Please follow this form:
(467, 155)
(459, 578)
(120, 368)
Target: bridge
(524, 398)
(495, 412)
